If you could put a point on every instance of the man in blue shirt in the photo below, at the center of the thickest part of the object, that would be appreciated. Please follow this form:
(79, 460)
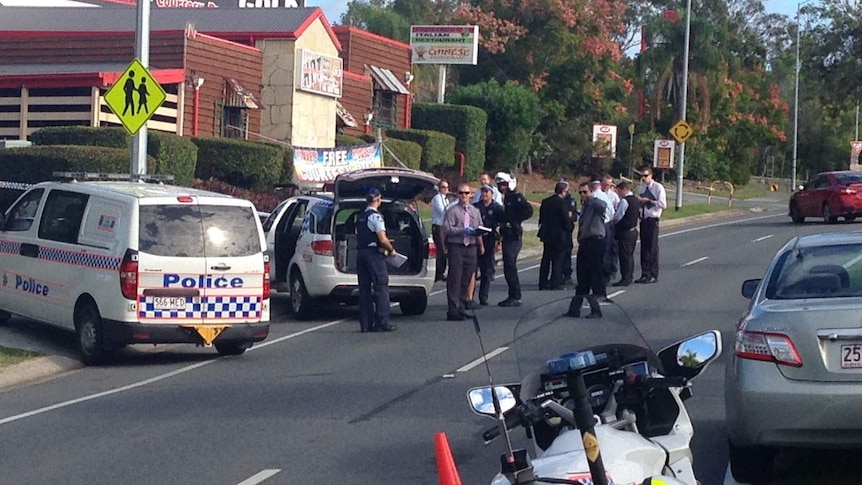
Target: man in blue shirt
(372, 274)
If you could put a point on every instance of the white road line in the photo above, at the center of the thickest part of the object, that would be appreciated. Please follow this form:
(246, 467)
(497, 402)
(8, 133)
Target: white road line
(481, 360)
(616, 293)
(695, 261)
(259, 477)
(763, 238)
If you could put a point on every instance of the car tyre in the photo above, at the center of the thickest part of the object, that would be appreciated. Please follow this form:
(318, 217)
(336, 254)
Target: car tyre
(232, 348)
(414, 305)
(795, 216)
(88, 324)
(751, 464)
(827, 215)
(300, 302)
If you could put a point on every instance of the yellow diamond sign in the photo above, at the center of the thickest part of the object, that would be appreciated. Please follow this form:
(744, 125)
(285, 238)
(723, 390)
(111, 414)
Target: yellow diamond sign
(681, 131)
(135, 97)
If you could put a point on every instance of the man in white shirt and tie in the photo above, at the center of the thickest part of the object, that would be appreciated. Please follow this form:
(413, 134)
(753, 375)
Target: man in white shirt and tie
(439, 203)
(653, 200)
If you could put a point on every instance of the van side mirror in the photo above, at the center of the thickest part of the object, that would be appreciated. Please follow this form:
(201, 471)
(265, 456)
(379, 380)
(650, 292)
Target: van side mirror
(749, 287)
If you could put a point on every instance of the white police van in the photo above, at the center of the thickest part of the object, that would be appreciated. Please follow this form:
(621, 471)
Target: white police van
(125, 262)
(312, 240)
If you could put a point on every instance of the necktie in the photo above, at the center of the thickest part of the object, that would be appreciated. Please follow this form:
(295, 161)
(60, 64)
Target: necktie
(466, 225)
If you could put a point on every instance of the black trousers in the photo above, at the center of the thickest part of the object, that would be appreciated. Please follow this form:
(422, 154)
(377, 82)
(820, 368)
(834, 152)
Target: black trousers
(551, 267)
(511, 248)
(649, 248)
(486, 272)
(373, 289)
(626, 242)
(437, 236)
(567, 260)
(462, 267)
(589, 267)
(611, 260)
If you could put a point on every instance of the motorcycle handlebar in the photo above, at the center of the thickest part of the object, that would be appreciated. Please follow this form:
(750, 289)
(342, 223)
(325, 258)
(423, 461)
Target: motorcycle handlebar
(511, 420)
(658, 382)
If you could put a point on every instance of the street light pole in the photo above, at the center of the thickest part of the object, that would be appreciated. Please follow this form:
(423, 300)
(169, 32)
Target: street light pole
(795, 107)
(681, 165)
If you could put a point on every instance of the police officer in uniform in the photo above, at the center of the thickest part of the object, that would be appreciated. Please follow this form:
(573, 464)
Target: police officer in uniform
(374, 246)
(572, 207)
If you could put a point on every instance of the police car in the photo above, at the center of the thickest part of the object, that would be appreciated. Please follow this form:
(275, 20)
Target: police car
(312, 241)
(126, 262)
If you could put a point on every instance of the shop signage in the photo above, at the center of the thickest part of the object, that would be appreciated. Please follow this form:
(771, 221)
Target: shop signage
(444, 44)
(314, 166)
(320, 74)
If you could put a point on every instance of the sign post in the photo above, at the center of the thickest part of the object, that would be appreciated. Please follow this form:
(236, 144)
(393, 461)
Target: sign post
(142, 52)
(444, 45)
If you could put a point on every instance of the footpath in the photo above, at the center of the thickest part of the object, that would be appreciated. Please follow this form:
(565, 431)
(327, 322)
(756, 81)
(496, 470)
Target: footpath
(52, 362)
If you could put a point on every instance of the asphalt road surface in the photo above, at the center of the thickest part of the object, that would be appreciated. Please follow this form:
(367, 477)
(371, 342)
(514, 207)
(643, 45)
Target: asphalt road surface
(318, 402)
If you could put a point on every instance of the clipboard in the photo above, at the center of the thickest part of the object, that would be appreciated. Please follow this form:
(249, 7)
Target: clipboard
(396, 260)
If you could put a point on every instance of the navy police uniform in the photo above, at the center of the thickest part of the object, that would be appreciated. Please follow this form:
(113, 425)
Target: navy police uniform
(372, 273)
(491, 216)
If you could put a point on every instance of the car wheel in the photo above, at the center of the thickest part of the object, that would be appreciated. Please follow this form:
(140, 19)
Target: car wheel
(4, 315)
(795, 215)
(88, 324)
(232, 348)
(300, 302)
(414, 305)
(751, 464)
(827, 215)
(849, 218)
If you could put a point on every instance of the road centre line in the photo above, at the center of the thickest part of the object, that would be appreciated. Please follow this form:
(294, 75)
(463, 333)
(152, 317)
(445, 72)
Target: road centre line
(259, 477)
(480, 360)
(695, 261)
(763, 238)
(261, 345)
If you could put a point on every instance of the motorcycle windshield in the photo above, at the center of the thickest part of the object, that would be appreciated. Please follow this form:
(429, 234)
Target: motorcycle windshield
(547, 332)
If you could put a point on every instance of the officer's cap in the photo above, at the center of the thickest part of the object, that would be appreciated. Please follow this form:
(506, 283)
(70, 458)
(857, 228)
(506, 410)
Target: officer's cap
(487, 187)
(372, 194)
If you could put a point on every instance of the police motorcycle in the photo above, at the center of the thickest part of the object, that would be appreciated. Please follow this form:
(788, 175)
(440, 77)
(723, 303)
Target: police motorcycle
(598, 405)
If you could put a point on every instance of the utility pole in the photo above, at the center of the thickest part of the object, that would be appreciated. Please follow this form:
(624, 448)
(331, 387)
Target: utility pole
(142, 52)
(681, 165)
(795, 107)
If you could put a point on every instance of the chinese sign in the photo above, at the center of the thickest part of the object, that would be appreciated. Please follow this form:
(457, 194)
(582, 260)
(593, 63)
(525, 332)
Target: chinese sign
(444, 44)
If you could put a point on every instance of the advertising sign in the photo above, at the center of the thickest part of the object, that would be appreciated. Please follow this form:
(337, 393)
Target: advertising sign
(320, 74)
(604, 141)
(314, 166)
(444, 44)
(662, 153)
(855, 150)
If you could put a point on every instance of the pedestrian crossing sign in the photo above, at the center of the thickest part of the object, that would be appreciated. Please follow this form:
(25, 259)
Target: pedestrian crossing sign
(135, 97)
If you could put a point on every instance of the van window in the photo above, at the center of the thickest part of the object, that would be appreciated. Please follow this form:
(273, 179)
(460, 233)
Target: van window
(61, 219)
(190, 231)
(23, 214)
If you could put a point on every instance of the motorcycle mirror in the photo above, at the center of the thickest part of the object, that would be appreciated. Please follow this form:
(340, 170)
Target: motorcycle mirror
(749, 287)
(482, 402)
(691, 356)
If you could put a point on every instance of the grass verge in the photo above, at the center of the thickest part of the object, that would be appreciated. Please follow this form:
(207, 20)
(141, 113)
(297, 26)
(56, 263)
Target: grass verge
(10, 356)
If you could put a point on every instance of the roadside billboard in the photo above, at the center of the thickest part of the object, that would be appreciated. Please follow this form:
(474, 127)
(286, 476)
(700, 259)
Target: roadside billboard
(662, 153)
(444, 44)
(604, 141)
(320, 74)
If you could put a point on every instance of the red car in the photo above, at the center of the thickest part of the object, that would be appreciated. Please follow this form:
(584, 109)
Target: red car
(829, 195)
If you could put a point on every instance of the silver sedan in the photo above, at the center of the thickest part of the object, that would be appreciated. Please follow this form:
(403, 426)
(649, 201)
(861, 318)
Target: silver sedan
(796, 375)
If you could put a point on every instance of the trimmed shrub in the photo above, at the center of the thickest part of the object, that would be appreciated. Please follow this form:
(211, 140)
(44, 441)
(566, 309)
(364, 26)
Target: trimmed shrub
(438, 149)
(408, 152)
(174, 155)
(110, 137)
(466, 123)
(263, 201)
(347, 141)
(244, 164)
(37, 163)
(287, 166)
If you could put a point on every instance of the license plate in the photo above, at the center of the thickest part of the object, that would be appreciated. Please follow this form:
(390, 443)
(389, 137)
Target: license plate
(851, 356)
(169, 303)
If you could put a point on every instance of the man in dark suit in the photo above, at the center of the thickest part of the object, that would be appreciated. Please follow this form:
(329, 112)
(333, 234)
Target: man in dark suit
(555, 226)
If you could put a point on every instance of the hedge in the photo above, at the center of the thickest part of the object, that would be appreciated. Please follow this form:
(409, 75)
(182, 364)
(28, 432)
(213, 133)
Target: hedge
(408, 152)
(348, 141)
(243, 164)
(174, 155)
(438, 149)
(37, 164)
(109, 137)
(466, 123)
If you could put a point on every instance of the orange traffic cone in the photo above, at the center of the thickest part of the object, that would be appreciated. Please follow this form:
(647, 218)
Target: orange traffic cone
(445, 463)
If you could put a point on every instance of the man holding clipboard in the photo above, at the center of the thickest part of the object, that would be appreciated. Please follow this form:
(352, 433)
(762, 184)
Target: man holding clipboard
(463, 247)
(653, 200)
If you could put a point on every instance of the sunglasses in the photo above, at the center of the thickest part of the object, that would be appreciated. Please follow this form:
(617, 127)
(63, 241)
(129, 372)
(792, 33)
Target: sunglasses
(444, 186)
(583, 191)
(465, 193)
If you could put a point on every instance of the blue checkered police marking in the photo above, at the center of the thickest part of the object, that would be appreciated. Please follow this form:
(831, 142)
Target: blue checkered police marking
(10, 247)
(89, 260)
(209, 307)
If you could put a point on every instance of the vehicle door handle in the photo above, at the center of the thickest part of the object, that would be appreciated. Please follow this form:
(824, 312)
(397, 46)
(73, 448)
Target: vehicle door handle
(220, 267)
(29, 250)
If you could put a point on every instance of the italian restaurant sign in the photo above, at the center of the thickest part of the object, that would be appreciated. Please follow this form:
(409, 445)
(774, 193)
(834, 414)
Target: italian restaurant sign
(320, 165)
(444, 44)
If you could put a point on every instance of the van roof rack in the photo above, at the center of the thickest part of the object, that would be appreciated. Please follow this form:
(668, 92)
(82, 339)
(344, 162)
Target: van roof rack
(130, 177)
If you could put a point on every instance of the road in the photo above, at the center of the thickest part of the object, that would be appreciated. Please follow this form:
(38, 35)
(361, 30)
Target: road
(318, 402)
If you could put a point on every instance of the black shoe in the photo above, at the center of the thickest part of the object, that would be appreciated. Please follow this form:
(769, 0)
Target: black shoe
(556, 288)
(483, 302)
(471, 305)
(366, 330)
(509, 302)
(543, 288)
(594, 315)
(388, 328)
(574, 314)
(622, 283)
(642, 279)
(456, 318)
(651, 280)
